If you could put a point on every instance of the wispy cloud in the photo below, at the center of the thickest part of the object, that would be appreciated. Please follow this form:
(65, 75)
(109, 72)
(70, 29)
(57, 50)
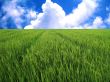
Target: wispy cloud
(108, 20)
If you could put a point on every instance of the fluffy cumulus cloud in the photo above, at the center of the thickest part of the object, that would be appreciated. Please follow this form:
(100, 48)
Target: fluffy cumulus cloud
(97, 23)
(31, 15)
(85, 10)
(16, 13)
(13, 11)
(53, 16)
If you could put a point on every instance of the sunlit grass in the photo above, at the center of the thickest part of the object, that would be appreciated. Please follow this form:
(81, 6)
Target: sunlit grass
(55, 56)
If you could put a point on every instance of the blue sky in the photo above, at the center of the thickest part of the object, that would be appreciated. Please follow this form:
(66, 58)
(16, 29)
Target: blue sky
(54, 14)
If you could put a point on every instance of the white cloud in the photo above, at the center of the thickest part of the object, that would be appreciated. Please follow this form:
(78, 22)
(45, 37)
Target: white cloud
(85, 10)
(97, 23)
(53, 15)
(108, 20)
(31, 15)
(15, 12)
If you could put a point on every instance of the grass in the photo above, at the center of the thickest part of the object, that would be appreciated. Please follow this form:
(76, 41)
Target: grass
(54, 55)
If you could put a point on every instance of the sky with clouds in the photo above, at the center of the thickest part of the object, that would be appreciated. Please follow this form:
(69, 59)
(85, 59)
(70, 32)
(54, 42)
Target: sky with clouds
(54, 14)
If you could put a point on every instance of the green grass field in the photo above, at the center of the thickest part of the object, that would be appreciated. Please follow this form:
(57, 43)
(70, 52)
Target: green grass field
(54, 55)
